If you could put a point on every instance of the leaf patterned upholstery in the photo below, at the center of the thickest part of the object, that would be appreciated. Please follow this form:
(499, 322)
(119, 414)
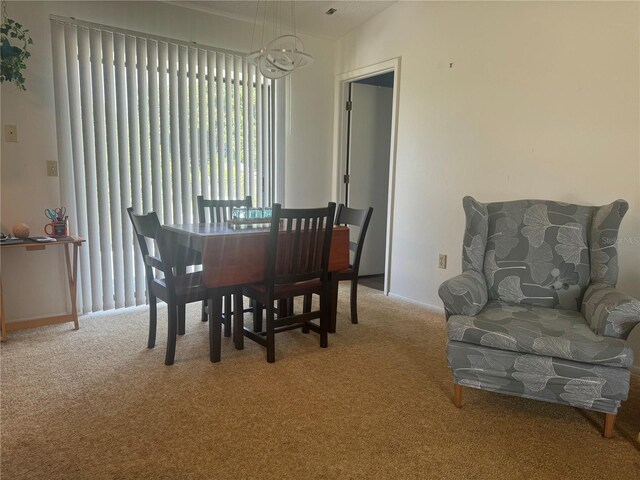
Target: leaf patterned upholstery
(475, 234)
(550, 325)
(539, 331)
(602, 242)
(541, 252)
(537, 252)
(464, 294)
(609, 311)
(595, 387)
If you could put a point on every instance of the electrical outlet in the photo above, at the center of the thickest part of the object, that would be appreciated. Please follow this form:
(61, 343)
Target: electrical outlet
(52, 168)
(11, 133)
(442, 261)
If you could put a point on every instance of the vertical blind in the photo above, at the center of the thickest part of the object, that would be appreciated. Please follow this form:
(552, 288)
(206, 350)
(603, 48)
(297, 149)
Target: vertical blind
(152, 123)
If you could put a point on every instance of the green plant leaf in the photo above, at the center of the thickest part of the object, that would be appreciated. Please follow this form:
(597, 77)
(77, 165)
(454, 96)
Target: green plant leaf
(12, 66)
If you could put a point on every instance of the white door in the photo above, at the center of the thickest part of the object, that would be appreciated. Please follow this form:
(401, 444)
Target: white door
(369, 148)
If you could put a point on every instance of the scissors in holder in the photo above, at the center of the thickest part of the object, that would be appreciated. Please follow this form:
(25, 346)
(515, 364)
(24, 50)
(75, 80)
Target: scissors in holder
(56, 214)
(50, 213)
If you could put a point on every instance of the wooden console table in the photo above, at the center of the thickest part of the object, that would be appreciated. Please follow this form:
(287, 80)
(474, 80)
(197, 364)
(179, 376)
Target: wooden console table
(72, 275)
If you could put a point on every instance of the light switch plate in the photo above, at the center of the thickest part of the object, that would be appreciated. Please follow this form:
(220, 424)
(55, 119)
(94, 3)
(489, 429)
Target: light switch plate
(442, 261)
(11, 133)
(52, 168)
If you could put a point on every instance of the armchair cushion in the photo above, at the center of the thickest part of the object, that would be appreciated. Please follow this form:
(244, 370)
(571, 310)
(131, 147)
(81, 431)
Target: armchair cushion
(609, 311)
(539, 377)
(464, 294)
(539, 331)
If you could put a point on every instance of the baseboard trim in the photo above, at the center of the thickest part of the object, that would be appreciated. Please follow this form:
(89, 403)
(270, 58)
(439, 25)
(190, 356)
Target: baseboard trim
(433, 308)
(38, 322)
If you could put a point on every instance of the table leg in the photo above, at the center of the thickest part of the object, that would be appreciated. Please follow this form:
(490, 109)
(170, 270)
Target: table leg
(228, 321)
(2, 320)
(333, 303)
(215, 326)
(72, 275)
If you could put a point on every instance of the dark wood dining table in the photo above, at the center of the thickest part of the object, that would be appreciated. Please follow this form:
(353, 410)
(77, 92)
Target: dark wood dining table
(235, 256)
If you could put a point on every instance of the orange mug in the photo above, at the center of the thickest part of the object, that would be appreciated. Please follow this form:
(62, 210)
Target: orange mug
(56, 229)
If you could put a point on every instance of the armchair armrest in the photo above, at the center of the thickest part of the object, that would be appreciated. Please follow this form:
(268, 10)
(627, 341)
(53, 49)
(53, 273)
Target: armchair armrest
(610, 312)
(465, 294)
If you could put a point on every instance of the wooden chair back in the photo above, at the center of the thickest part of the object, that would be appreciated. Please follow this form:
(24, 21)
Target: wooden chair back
(360, 218)
(219, 210)
(147, 226)
(299, 244)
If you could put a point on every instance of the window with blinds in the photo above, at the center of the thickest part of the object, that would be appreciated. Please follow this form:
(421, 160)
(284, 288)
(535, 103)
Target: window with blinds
(152, 123)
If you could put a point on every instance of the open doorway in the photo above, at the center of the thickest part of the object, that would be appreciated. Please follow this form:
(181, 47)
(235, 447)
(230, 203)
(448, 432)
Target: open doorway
(365, 157)
(369, 108)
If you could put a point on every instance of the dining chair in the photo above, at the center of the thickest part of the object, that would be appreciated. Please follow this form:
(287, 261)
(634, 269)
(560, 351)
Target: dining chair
(176, 289)
(353, 217)
(350, 217)
(297, 265)
(219, 211)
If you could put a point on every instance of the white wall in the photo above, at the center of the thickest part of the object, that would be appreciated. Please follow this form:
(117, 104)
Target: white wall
(542, 101)
(34, 282)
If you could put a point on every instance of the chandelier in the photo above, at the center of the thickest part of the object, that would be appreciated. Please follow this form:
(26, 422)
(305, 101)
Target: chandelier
(280, 51)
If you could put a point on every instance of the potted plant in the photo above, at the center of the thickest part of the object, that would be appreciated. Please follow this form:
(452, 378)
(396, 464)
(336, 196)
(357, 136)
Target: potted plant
(13, 53)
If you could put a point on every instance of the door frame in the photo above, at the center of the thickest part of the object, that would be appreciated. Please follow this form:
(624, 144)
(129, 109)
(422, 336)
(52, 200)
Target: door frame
(340, 146)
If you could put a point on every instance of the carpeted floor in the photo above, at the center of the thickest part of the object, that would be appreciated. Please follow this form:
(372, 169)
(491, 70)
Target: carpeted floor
(96, 404)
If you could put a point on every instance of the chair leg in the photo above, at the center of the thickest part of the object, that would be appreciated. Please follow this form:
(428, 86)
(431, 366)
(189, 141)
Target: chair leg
(333, 303)
(204, 311)
(457, 395)
(609, 422)
(227, 315)
(271, 337)
(215, 328)
(324, 318)
(306, 306)
(172, 319)
(354, 300)
(257, 317)
(283, 307)
(153, 321)
(238, 321)
(182, 314)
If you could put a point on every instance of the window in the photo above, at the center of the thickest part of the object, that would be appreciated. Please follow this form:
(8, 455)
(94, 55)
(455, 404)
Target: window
(152, 123)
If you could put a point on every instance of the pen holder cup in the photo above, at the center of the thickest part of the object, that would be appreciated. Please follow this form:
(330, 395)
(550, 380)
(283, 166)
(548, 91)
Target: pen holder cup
(57, 229)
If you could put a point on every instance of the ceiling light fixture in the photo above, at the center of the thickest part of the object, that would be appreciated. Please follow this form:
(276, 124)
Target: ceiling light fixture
(279, 53)
(331, 11)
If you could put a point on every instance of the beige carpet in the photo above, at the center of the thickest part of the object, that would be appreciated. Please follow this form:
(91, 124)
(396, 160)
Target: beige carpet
(96, 404)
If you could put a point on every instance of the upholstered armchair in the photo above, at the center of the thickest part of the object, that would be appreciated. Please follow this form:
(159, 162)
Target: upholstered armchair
(536, 312)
